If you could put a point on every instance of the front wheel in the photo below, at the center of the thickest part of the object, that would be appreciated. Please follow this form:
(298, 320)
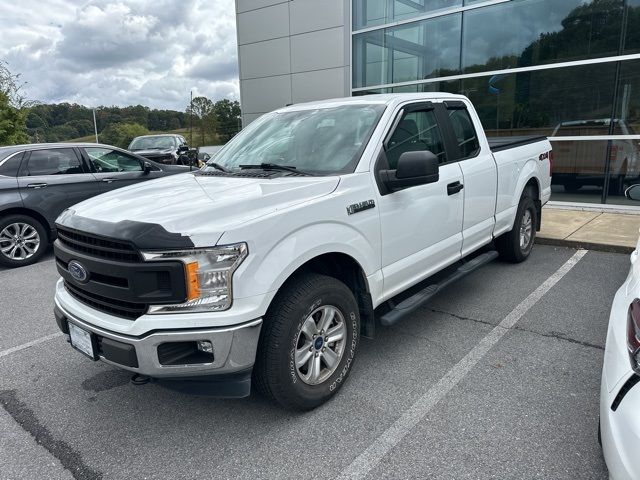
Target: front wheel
(23, 240)
(308, 342)
(516, 245)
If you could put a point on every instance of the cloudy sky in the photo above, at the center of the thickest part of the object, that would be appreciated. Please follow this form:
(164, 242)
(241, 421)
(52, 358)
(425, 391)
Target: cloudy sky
(121, 52)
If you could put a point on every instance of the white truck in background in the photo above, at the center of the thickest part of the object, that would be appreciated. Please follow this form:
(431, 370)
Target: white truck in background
(316, 223)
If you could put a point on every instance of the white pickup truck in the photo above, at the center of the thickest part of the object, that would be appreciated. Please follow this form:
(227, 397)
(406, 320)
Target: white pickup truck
(315, 224)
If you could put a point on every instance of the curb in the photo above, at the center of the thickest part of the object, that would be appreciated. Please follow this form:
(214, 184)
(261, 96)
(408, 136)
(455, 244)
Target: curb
(600, 247)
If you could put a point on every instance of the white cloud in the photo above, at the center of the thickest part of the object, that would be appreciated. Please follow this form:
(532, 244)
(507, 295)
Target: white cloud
(122, 52)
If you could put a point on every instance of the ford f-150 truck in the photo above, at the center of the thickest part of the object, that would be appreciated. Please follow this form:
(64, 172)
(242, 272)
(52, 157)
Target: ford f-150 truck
(315, 225)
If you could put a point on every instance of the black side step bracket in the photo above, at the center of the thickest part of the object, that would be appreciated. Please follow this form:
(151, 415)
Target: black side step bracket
(412, 303)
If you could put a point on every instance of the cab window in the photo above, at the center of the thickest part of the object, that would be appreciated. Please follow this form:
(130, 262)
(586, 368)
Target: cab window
(418, 130)
(466, 137)
(109, 160)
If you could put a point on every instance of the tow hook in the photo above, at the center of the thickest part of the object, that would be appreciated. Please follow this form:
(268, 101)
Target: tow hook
(138, 379)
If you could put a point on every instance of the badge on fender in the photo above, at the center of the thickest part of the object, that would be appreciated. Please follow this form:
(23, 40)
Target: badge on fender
(360, 206)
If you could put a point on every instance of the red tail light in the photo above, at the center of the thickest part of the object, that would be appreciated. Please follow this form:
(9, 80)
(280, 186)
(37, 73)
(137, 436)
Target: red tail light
(633, 334)
(550, 163)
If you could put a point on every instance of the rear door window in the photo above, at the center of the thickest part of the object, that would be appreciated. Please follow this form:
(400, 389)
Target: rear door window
(465, 133)
(56, 161)
(9, 166)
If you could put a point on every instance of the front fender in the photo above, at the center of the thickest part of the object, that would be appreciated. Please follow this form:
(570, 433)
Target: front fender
(266, 269)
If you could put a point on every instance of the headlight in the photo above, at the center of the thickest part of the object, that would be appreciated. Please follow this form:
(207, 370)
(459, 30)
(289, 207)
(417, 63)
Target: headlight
(208, 273)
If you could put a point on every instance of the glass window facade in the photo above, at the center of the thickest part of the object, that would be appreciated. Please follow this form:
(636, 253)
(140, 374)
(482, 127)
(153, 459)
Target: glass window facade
(476, 44)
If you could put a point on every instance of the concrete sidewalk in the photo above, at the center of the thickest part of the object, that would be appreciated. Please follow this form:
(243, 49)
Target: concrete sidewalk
(593, 230)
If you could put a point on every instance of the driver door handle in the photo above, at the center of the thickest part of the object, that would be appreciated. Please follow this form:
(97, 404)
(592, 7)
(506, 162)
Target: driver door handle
(454, 188)
(108, 180)
(36, 185)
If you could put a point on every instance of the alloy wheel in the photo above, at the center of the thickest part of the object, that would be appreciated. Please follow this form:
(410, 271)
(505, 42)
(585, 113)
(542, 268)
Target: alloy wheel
(526, 230)
(19, 241)
(320, 345)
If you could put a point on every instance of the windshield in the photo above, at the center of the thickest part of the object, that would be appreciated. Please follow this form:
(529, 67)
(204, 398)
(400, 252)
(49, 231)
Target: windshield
(152, 143)
(322, 141)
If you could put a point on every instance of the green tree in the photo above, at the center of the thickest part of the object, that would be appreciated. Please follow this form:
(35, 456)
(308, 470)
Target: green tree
(12, 123)
(121, 134)
(203, 113)
(227, 118)
(13, 108)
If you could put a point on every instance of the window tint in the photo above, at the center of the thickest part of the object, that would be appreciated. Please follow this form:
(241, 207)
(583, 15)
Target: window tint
(416, 131)
(9, 166)
(59, 161)
(464, 132)
(109, 160)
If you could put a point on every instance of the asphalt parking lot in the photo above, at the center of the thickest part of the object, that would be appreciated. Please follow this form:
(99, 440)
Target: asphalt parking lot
(444, 394)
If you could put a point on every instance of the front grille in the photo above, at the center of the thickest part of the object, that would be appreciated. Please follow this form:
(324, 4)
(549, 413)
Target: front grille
(98, 247)
(111, 306)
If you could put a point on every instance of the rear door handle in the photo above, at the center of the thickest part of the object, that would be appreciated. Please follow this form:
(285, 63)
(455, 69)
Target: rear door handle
(108, 180)
(454, 188)
(36, 185)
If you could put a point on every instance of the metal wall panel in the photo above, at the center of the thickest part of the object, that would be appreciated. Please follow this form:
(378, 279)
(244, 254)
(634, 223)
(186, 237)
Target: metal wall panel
(263, 24)
(265, 59)
(261, 95)
(311, 15)
(317, 50)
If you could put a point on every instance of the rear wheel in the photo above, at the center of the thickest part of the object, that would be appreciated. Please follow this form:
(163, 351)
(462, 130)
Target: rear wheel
(516, 245)
(308, 342)
(23, 240)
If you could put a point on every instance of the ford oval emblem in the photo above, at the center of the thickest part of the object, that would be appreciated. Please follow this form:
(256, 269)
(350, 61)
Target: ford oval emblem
(77, 271)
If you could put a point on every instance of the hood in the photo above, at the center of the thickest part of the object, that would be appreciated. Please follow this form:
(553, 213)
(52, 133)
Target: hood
(199, 207)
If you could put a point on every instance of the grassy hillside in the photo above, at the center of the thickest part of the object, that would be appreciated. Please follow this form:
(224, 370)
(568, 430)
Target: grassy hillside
(209, 139)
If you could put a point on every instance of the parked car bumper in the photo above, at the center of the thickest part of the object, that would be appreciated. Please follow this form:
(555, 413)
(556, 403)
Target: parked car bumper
(619, 398)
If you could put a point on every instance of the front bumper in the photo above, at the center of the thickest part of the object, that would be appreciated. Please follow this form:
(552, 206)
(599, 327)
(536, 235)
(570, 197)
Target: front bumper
(234, 348)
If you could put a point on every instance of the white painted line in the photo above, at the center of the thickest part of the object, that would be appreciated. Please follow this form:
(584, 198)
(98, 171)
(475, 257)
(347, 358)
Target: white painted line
(368, 459)
(37, 341)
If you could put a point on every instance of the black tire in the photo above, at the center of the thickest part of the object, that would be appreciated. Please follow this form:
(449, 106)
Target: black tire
(5, 260)
(508, 244)
(571, 184)
(616, 185)
(275, 373)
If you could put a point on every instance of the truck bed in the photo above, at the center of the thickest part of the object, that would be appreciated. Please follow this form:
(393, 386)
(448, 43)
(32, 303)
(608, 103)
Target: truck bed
(503, 143)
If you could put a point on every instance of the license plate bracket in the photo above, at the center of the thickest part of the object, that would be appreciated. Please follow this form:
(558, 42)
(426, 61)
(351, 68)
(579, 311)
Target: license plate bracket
(83, 341)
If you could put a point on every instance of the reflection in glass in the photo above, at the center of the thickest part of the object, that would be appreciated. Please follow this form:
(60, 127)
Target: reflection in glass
(368, 13)
(537, 102)
(415, 51)
(535, 32)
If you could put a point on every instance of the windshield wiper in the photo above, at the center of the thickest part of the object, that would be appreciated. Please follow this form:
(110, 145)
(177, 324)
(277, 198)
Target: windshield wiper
(217, 166)
(275, 166)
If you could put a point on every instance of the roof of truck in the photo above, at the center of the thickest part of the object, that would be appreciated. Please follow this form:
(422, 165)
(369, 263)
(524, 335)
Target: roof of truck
(383, 98)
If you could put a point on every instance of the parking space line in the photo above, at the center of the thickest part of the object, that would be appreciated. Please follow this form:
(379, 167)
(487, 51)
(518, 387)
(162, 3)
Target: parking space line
(37, 341)
(391, 437)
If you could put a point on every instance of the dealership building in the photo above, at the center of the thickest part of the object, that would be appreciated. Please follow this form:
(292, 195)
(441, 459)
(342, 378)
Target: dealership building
(568, 69)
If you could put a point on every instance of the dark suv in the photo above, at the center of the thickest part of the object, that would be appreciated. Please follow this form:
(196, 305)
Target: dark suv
(39, 181)
(169, 149)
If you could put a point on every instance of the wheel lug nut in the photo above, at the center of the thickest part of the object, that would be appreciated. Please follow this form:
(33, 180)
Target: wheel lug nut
(316, 354)
(314, 336)
(324, 348)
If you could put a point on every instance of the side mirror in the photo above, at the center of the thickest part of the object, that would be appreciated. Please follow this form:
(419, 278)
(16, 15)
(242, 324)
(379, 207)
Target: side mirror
(183, 148)
(633, 192)
(147, 167)
(414, 168)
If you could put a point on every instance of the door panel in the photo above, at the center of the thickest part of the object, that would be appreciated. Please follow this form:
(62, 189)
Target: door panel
(421, 226)
(421, 231)
(480, 175)
(55, 179)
